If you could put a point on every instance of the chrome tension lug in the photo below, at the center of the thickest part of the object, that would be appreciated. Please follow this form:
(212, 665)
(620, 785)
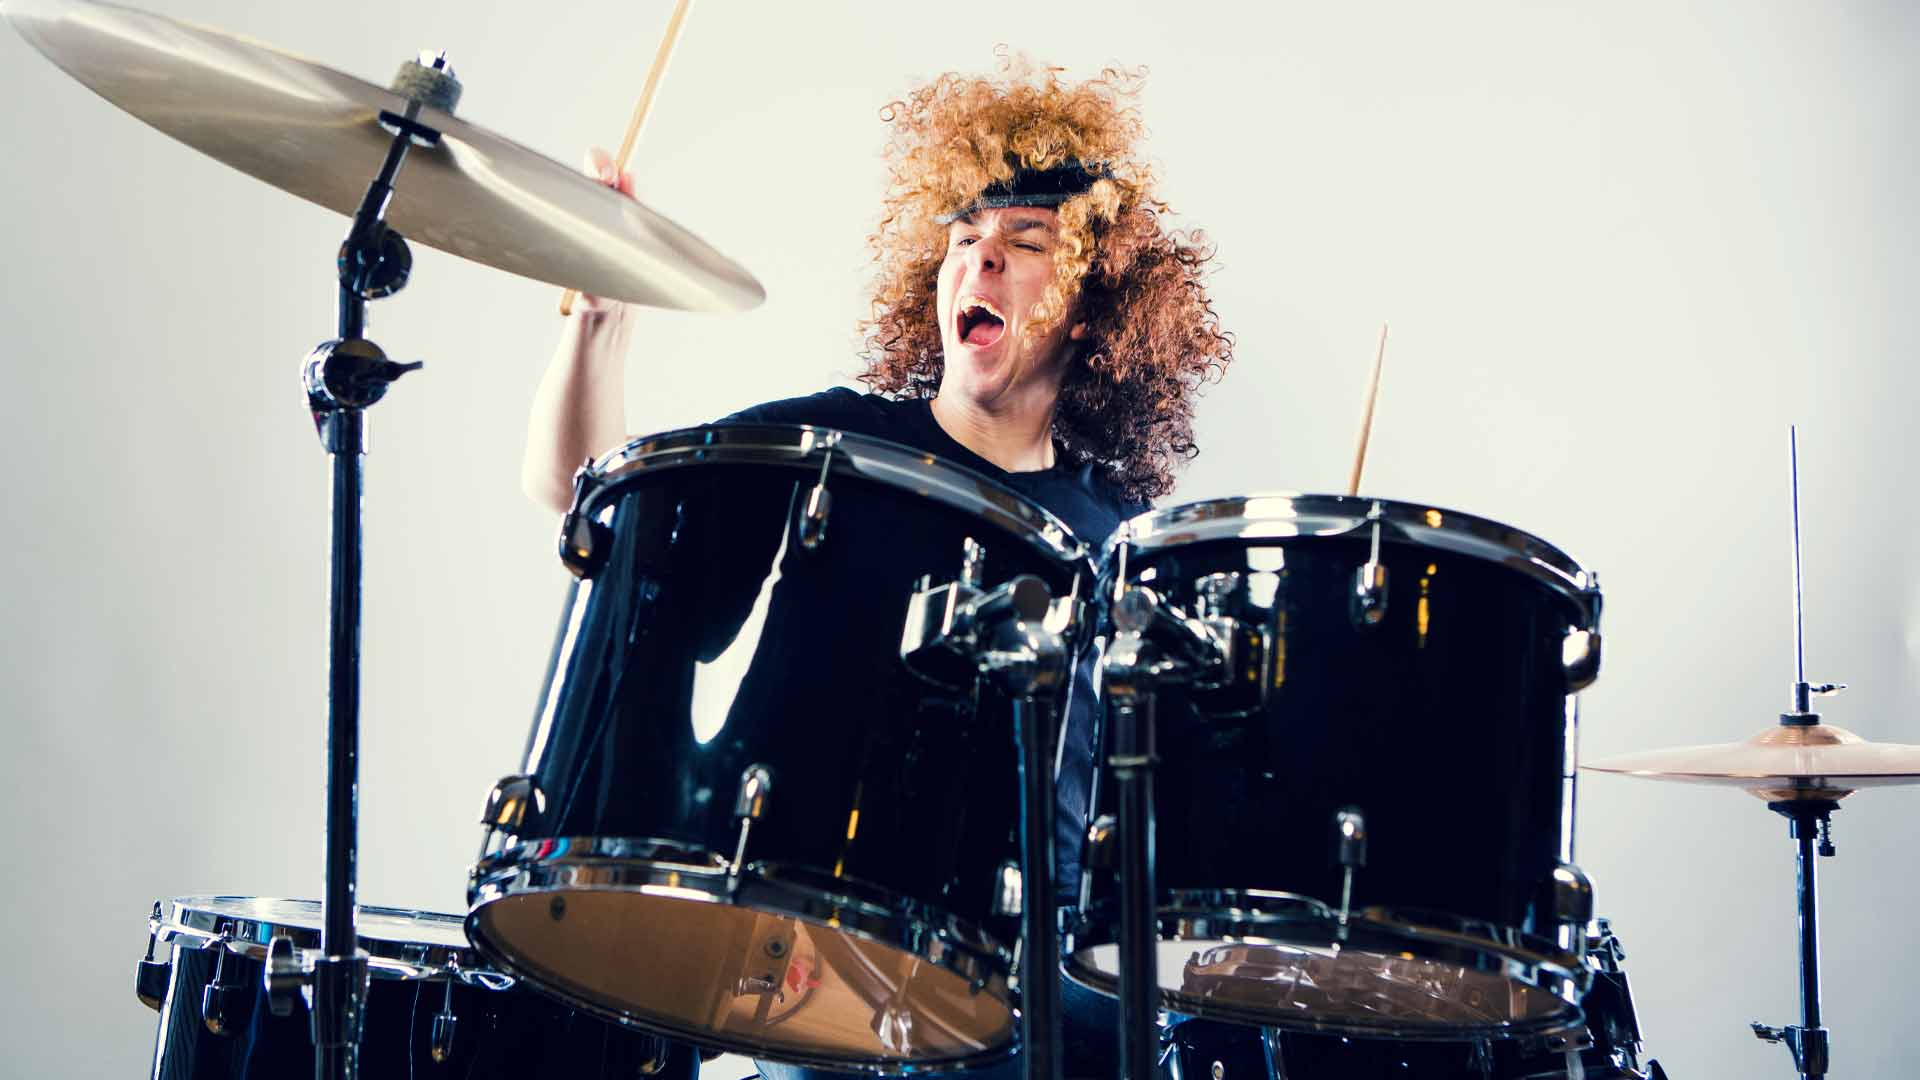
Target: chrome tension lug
(444, 1025)
(150, 976)
(286, 975)
(819, 505)
(749, 806)
(221, 1002)
(1350, 851)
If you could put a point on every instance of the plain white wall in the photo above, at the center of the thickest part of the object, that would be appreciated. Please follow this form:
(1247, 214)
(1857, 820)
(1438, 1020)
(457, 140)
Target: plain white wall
(1621, 247)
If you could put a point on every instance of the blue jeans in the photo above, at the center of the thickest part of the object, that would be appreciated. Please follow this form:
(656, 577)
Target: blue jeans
(1089, 1044)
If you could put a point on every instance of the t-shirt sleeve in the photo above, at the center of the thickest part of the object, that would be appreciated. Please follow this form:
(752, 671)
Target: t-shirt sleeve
(838, 407)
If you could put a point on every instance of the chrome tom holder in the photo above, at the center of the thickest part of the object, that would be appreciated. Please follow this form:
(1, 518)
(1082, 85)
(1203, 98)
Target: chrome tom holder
(1017, 637)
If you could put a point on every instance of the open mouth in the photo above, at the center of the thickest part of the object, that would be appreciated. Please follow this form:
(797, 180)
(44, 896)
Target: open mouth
(980, 323)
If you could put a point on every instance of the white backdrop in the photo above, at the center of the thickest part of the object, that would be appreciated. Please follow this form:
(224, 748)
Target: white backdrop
(1621, 247)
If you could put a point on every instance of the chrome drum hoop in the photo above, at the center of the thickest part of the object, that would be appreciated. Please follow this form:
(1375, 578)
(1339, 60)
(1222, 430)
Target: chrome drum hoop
(1279, 515)
(1288, 921)
(573, 865)
(435, 946)
(804, 447)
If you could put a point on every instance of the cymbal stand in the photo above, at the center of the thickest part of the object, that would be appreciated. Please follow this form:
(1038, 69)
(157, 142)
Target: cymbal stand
(1810, 819)
(1807, 1040)
(343, 378)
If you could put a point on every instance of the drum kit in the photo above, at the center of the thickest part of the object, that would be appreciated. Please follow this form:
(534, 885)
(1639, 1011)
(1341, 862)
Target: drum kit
(788, 790)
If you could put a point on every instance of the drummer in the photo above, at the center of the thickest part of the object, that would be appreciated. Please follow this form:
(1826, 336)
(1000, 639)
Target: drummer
(1034, 319)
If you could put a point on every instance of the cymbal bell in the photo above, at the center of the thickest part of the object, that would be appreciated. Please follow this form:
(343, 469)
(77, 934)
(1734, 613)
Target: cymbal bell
(1785, 762)
(314, 132)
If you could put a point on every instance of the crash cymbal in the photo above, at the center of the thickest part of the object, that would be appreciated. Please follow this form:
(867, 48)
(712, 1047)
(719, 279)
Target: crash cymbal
(314, 132)
(1787, 761)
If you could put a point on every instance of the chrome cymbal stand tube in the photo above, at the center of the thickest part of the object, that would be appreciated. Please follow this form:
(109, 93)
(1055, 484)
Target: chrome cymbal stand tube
(1809, 818)
(342, 379)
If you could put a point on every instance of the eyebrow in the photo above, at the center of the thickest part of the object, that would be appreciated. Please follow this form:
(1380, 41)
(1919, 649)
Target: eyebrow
(1024, 224)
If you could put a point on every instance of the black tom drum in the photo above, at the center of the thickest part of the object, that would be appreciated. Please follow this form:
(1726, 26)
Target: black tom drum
(743, 820)
(1395, 671)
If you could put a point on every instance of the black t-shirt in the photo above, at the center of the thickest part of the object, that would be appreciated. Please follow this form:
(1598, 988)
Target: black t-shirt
(1080, 496)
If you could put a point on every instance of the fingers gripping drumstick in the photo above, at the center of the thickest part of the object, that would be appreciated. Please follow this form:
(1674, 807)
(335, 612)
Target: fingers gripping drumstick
(640, 110)
(1366, 415)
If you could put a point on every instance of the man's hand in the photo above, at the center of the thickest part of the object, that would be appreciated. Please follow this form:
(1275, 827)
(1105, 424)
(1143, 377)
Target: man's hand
(599, 165)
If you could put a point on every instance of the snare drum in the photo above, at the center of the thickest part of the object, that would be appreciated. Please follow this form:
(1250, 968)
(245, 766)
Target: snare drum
(1403, 671)
(433, 1008)
(742, 820)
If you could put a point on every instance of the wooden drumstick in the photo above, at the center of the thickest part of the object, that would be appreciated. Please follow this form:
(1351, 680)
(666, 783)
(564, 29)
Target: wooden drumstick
(1366, 415)
(640, 111)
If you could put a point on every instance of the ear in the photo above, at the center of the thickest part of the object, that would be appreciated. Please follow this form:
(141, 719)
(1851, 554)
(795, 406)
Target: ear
(1078, 333)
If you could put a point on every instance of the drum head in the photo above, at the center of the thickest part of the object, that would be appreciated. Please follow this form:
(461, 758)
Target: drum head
(399, 942)
(727, 975)
(1382, 975)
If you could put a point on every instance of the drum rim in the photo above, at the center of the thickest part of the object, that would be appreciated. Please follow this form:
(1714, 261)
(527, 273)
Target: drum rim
(1262, 515)
(801, 446)
(1249, 916)
(192, 922)
(557, 866)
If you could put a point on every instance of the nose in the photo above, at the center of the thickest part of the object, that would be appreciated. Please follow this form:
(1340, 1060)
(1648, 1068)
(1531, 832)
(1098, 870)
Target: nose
(987, 255)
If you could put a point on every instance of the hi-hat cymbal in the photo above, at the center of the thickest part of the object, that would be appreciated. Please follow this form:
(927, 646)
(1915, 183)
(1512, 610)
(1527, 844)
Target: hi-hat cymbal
(1786, 761)
(314, 132)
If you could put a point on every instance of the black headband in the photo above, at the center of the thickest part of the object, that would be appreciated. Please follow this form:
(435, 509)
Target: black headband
(1033, 187)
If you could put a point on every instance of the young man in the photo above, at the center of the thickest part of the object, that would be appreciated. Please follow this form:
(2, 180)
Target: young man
(1033, 320)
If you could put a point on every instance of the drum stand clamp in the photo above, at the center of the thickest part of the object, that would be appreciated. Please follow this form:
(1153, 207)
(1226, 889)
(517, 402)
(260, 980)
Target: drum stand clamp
(1014, 637)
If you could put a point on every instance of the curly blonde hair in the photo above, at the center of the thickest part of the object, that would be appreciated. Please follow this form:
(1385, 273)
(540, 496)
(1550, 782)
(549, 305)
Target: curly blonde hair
(1126, 402)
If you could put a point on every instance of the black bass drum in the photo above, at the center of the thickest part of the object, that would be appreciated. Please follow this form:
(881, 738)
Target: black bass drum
(1400, 673)
(433, 1007)
(742, 820)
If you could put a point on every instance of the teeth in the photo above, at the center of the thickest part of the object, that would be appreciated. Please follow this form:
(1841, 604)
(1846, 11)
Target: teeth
(981, 303)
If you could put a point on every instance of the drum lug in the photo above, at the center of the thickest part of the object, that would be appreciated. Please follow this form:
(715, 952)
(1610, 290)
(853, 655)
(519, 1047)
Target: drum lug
(583, 541)
(1350, 851)
(286, 975)
(1572, 907)
(1007, 891)
(1367, 603)
(749, 806)
(221, 1000)
(509, 802)
(150, 977)
(1580, 657)
(813, 518)
(444, 1024)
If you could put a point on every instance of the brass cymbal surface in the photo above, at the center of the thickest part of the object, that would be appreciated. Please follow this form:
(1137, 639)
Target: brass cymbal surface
(314, 132)
(1787, 761)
